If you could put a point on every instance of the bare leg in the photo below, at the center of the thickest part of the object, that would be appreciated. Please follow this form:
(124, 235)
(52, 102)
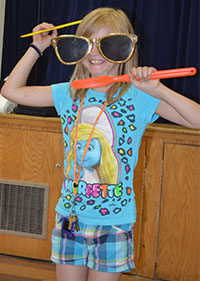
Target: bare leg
(66, 272)
(103, 276)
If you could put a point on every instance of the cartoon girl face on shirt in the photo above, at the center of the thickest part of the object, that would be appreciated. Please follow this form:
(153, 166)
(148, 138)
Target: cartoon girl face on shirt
(93, 154)
(99, 162)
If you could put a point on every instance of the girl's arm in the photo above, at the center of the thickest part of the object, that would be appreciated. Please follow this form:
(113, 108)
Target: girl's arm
(15, 88)
(173, 106)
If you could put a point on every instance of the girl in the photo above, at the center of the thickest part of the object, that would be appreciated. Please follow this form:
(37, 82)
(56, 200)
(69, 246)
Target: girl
(92, 239)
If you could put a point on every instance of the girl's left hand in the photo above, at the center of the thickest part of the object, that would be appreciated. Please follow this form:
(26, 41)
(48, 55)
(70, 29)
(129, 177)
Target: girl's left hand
(140, 78)
(43, 40)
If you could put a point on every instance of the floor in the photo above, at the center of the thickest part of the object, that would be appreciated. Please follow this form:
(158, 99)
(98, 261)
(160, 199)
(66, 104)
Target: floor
(22, 269)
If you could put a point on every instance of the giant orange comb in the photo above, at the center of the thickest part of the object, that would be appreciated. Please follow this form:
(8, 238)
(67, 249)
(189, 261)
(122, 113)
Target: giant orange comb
(103, 81)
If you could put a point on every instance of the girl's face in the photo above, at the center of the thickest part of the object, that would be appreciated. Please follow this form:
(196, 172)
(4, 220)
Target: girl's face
(95, 63)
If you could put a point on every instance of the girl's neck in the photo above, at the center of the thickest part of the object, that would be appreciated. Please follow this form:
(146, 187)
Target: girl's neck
(101, 89)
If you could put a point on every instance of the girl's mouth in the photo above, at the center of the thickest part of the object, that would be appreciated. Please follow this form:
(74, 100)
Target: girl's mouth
(96, 61)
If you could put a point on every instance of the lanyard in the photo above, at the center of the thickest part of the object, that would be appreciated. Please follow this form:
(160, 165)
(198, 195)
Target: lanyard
(77, 175)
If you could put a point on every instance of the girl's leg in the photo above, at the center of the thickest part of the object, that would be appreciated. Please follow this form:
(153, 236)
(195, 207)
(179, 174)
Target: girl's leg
(66, 272)
(103, 276)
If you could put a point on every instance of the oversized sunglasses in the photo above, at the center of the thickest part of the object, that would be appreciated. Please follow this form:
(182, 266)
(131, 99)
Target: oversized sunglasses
(114, 47)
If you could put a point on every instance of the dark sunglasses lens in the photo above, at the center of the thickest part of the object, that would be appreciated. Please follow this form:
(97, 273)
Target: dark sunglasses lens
(72, 49)
(116, 48)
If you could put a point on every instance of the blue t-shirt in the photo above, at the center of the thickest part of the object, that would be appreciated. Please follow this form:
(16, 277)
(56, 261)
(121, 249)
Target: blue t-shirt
(105, 191)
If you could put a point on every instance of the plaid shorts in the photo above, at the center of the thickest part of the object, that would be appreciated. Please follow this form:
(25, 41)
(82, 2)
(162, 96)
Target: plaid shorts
(103, 248)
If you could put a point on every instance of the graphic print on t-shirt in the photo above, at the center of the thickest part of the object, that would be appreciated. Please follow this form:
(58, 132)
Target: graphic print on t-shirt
(100, 185)
(100, 163)
(103, 197)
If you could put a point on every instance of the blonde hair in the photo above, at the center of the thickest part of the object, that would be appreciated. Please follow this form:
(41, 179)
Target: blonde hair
(108, 166)
(118, 21)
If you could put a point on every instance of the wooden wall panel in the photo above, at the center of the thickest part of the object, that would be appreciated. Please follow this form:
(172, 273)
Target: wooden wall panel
(31, 156)
(179, 234)
(166, 234)
(19, 269)
(150, 208)
(126, 277)
(138, 182)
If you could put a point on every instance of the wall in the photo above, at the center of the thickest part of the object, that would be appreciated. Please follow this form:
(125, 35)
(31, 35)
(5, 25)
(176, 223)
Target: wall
(2, 14)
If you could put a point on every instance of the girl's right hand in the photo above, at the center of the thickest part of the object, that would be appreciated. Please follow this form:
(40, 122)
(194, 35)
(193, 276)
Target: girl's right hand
(43, 40)
(140, 78)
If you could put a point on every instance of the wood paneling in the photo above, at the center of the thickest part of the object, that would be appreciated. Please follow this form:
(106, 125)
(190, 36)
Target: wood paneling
(151, 208)
(139, 198)
(166, 184)
(31, 155)
(19, 269)
(179, 234)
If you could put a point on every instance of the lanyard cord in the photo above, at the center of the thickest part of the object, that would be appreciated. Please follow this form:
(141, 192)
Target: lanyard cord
(76, 137)
(77, 176)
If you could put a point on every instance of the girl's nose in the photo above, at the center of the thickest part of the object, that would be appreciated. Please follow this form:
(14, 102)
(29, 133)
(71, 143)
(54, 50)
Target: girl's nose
(94, 49)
